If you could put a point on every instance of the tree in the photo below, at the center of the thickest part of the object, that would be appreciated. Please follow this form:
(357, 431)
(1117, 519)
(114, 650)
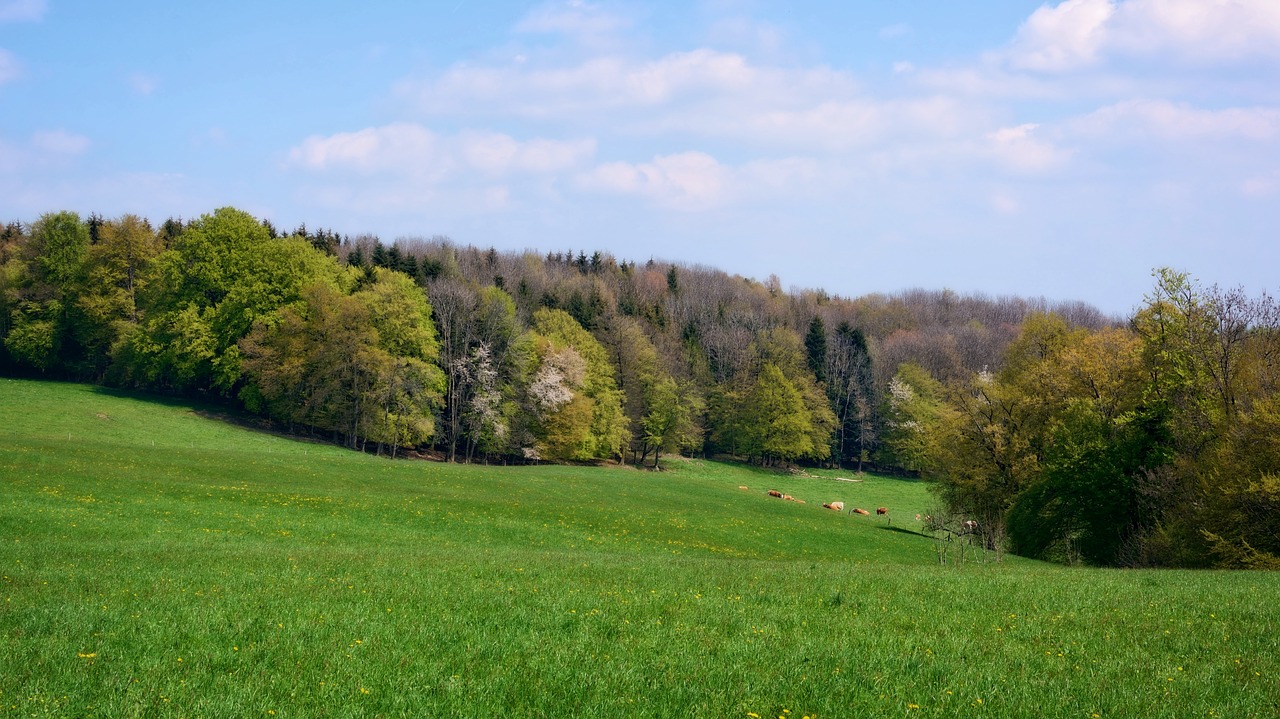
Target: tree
(850, 388)
(43, 319)
(776, 424)
(117, 275)
(223, 274)
(608, 427)
(815, 348)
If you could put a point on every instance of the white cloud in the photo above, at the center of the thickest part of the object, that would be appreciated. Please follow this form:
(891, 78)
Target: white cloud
(1064, 37)
(10, 68)
(1005, 203)
(685, 181)
(374, 149)
(586, 22)
(59, 142)
(1077, 34)
(1181, 122)
(21, 10)
(897, 30)
(695, 181)
(1021, 149)
(714, 94)
(143, 83)
(1200, 29)
(499, 154)
(608, 82)
(44, 150)
(747, 33)
(410, 149)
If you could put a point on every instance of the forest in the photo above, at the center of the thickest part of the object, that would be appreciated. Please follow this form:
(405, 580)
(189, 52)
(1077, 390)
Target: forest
(1060, 432)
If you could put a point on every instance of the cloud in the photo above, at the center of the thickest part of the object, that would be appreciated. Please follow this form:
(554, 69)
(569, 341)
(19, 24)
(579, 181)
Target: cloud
(1064, 37)
(143, 83)
(747, 33)
(611, 82)
(586, 22)
(892, 32)
(1021, 149)
(1078, 34)
(1262, 186)
(43, 150)
(499, 154)
(59, 142)
(398, 146)
(718, 95)
(409, 149)
(685, 181)
(1178, 122)
(695, 181)
(21, 10)
(10, 68)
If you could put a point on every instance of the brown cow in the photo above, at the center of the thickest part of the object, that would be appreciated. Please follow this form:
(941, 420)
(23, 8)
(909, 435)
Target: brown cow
(742, 486)
(838, 506)
(862, 511)
(789, 498)
(882, 510)
(775, 493)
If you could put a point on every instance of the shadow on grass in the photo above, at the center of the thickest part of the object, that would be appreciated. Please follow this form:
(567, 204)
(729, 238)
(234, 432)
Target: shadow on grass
(211, 410)
(902, 530)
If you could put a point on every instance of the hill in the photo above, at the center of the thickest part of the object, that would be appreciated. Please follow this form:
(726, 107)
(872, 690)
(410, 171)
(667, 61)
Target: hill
(157, 561)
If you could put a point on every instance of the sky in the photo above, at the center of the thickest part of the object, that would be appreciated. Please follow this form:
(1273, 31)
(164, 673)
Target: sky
(1062, 150)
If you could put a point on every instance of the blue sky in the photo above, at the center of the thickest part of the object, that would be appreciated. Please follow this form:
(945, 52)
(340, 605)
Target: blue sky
(1006, 147)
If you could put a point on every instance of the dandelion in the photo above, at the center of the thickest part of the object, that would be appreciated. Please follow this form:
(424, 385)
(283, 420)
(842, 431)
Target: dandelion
(90, 655)
(363, 690)
(913, 706)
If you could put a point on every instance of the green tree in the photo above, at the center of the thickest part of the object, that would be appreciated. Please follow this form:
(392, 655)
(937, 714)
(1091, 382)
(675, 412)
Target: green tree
(44, 285)
(815, 348)
(608, 427)
(223, 274)
(776, 424)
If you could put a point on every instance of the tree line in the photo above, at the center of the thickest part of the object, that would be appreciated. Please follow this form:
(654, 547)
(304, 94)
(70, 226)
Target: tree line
(477, 355)
(1151, 444)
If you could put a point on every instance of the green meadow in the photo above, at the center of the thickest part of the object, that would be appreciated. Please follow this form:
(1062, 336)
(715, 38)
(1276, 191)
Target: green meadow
(158, 561)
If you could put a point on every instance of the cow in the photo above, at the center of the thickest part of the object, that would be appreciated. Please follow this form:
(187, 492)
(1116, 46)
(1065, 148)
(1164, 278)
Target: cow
(838, 506)
(882, 511)
(789, 498)
(862, 511)
(742, 486)
(775, 493)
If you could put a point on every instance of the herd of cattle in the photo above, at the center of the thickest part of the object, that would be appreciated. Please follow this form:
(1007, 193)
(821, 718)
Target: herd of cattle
(837, 506)
(965, 528)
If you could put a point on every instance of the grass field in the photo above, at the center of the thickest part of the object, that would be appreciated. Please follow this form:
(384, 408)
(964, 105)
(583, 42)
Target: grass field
(156, 562)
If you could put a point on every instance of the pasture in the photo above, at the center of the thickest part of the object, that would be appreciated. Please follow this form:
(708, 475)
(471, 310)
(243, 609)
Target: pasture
(157, 562)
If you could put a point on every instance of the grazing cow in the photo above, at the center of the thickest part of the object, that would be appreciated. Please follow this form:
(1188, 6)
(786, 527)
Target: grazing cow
(742, 486)
(862, 511)
(775, 493)
(882, 510)
(970, 525)
(789, 498)
(838, 506)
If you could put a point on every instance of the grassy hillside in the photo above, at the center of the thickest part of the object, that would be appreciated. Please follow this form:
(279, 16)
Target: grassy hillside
(156, 562)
